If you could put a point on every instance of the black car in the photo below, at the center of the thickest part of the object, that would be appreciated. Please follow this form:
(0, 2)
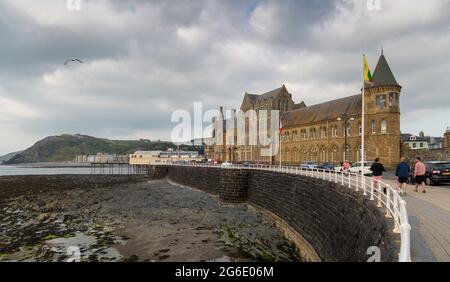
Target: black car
(326, 166)
(437, 172)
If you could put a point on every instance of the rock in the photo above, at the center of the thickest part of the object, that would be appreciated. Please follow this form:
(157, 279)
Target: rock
(43, 216)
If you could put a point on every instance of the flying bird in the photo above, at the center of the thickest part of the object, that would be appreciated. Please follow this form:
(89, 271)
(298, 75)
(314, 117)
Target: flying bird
(73, 60)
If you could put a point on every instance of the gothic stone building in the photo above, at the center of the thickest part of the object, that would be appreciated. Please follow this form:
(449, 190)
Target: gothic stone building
(316, 133)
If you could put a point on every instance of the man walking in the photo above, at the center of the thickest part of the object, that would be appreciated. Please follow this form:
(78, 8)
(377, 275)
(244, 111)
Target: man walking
(402, 173)
(377, 169)
(419, 174)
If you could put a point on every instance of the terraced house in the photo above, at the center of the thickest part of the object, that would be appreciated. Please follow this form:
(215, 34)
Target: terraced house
(317, 132)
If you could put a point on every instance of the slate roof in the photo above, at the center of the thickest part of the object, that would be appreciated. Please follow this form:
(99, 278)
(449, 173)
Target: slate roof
(383, 76)
(330, 110)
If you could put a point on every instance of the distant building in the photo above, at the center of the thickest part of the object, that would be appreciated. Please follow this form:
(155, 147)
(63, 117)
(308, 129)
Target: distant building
(435, 142)
(421, 141)
(446, 141)
(102, 158)
(162, 157)
(414, 142)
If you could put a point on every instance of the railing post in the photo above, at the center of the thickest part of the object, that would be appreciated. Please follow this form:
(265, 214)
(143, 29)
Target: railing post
(379, 194)
(335, 176)
(396, 208)
(363, 181)
(349, 180)
(342, 178)
(405, 230)
(388, 203)
(371, 190)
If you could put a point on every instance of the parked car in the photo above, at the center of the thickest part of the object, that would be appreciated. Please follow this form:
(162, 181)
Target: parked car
(226, 164)
(356, 168)
(326, 166)
(309, 165)
(437, 172)
(248, 164)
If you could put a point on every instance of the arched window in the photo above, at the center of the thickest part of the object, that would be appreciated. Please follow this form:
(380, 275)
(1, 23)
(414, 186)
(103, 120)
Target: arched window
(383, 126)
(349, 154)
(324, 155)
(295, 136)
(334, 154)
(373, 127)
(304, 154)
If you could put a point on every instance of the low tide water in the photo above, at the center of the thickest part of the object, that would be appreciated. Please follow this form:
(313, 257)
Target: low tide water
(21, 170)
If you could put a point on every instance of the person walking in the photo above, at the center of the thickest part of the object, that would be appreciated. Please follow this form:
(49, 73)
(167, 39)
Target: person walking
(419, 174)
(377, 169)
(346, 166)
(402, 172)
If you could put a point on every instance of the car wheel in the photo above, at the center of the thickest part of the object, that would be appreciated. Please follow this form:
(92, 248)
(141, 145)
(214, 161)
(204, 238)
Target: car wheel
(429, 181)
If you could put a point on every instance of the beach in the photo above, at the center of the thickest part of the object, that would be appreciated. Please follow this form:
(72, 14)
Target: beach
(129, 218)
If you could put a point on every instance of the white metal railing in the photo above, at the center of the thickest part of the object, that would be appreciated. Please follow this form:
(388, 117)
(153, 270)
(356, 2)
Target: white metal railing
(386, 197)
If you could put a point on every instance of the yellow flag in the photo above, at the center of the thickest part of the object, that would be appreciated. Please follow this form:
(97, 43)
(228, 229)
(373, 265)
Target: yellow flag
(367, 74)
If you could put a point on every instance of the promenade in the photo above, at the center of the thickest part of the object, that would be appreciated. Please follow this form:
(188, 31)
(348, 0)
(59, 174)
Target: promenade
(429, 216)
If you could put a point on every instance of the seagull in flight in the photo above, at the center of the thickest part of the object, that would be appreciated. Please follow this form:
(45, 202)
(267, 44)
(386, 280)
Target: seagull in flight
(73, 60)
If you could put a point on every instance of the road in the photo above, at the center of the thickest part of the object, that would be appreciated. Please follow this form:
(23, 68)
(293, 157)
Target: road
(429, 216)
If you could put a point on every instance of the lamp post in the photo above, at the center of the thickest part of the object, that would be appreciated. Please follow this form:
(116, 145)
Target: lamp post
(345, 118)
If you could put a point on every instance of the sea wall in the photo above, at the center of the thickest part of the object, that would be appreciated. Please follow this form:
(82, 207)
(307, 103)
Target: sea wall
(338, 223)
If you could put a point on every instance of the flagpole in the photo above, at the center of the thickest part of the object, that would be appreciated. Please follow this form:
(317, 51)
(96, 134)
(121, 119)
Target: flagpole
(362, 118)
(279, 139)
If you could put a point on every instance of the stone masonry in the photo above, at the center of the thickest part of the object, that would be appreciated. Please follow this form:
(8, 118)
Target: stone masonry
(339, 223)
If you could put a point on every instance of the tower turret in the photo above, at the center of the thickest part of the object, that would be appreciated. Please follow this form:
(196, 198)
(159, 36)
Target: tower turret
(382, 109)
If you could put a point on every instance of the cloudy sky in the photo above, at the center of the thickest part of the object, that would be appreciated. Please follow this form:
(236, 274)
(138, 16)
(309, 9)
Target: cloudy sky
(145, 59)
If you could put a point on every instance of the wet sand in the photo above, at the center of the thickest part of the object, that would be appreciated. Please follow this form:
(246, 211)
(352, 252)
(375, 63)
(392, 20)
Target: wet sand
(129, 218)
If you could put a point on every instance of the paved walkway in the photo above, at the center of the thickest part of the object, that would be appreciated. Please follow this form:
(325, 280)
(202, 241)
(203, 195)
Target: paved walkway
(429, 216)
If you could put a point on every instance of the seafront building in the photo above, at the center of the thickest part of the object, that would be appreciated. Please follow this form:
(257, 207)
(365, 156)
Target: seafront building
(326, 132)
(162, 157)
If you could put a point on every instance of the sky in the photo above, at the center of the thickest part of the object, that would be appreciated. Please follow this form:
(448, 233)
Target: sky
(145, 59)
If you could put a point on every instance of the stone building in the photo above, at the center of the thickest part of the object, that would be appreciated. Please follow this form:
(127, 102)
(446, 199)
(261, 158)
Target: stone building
(446, 143)
(316, 133)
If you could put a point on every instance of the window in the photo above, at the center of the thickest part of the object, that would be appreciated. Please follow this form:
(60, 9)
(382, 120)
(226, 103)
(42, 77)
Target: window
(393, 99)
(414, 145)
(335, 131)
(421, 145)
(359, 129)
(381, 101)
(323, 133)
(383, 126)
(304, 135)
(374, 129)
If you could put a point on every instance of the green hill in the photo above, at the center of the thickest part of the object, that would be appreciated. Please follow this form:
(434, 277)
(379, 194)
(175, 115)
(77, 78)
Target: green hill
(7, 157)
(65, 147)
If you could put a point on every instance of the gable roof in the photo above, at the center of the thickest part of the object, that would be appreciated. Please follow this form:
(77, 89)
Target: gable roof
(322, 112)
(271, 94)
(383, 76)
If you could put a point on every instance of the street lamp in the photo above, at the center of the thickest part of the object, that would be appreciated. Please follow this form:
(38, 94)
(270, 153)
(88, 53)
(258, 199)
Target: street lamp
(345, 118)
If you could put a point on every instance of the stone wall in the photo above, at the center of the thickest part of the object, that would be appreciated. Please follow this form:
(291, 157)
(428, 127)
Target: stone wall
(337, 222)
(426, 155)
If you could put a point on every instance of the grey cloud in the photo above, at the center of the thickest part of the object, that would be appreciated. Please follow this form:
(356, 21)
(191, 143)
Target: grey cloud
(144, 59)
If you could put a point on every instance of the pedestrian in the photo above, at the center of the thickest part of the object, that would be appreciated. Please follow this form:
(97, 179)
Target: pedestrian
(346, 166)
(402, 173)
(419, 174)
(377, 169)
